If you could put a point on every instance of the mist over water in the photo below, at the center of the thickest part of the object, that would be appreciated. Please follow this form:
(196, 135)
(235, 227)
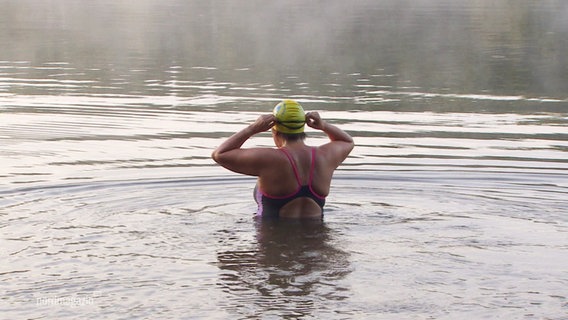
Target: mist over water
(505, 48)
(452, 205)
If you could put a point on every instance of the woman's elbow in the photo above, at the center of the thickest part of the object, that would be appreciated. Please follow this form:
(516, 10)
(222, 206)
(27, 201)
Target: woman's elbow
(216, 156)
(349, 145)
(222, 158)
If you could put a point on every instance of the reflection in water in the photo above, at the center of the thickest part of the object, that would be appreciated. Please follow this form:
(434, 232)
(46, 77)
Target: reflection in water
(293, 268)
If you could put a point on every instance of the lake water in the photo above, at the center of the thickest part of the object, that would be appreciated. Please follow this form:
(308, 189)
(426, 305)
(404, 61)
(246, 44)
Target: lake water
(452, 205)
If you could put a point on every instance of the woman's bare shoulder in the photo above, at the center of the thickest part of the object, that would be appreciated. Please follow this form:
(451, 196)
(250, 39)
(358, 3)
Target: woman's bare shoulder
(334, 152)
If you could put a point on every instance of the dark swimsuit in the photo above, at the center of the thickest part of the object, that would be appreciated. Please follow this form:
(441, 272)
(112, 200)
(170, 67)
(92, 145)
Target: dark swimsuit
(269, 206)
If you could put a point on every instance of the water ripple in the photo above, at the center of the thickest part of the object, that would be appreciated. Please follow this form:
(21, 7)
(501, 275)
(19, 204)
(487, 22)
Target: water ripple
(111, 202)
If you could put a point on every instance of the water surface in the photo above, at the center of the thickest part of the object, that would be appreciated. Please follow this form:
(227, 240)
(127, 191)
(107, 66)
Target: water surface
(452, 205)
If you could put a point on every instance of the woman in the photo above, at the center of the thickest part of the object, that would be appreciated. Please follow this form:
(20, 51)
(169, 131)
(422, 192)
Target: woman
(294, 179)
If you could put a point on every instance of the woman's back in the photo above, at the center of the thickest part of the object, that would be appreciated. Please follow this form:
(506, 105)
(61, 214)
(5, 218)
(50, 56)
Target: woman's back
(295, 184)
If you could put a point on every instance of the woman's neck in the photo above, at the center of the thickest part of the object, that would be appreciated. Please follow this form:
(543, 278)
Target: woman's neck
(294, 144)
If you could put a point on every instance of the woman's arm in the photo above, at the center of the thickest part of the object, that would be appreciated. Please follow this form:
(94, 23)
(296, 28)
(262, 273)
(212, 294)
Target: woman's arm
(334, 133)
(247, 161)
(341, 142)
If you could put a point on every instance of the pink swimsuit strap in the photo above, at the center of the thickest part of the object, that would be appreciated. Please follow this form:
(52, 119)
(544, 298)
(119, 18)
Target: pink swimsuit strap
(312, 166)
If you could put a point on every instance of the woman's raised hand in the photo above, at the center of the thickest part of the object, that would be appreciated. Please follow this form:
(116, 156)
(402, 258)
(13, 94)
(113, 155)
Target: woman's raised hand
(313, 120)
(263, 123)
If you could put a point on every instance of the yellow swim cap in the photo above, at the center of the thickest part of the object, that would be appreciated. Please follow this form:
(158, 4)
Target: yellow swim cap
(290, 117)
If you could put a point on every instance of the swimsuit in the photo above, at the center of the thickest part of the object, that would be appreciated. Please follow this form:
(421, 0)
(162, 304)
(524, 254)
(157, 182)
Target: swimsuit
(269, 206)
